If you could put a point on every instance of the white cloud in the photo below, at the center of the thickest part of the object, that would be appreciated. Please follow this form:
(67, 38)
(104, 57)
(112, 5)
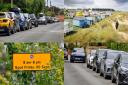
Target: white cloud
(115, 4)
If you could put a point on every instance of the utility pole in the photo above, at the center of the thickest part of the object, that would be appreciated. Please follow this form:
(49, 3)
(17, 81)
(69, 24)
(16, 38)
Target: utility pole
(47, 3)
(11, 3)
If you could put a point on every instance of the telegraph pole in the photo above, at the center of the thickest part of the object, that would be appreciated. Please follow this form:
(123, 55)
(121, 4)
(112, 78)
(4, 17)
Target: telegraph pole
(11, 3)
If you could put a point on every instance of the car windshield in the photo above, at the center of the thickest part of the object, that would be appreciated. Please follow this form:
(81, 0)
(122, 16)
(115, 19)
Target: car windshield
(26, 15)
(78, 50)
(93, 52)
(112, 55)
(101, 53)
(125, 58)
(32, 16)
(11, 15)
(42, 17)
(2, 15)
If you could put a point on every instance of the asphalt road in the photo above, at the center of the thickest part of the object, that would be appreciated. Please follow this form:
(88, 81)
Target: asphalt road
(43, 33)
(78, 74)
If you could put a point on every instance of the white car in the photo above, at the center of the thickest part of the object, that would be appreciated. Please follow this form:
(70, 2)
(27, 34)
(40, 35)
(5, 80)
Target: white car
(90, 58)
(67, 29)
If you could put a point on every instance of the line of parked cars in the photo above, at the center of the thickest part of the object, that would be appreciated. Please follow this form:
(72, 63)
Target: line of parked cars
(15, 21)
(110, 64)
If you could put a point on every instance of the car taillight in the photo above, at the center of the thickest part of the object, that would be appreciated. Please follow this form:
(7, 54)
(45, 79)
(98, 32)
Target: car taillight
(5, 20)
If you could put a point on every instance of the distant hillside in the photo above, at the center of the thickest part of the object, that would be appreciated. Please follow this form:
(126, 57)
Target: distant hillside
(103, 31)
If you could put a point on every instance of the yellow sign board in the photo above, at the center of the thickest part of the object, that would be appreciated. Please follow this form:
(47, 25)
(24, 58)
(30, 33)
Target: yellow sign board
(31, 61)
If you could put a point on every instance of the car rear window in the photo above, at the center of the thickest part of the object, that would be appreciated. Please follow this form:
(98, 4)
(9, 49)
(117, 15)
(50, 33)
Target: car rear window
(2, 15)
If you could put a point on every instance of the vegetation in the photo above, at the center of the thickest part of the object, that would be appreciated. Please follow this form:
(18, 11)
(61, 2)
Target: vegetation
(31, 6)
(102, 31)
(55, 76)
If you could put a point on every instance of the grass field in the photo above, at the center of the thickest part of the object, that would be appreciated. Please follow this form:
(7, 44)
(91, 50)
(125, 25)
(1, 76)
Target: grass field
(102, 31)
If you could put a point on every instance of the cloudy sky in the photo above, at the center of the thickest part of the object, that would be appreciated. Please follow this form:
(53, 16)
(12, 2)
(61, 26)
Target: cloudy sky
(58, 3)
(115, 4)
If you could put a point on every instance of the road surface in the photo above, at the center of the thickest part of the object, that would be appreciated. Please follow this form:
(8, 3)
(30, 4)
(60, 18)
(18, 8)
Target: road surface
(78, 74)
(43, 33)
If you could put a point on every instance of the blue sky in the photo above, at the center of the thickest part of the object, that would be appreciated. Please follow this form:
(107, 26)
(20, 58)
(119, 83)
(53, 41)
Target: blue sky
(115, 4)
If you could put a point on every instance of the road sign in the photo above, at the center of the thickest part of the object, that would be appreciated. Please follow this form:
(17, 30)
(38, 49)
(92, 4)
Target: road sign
(31, 61)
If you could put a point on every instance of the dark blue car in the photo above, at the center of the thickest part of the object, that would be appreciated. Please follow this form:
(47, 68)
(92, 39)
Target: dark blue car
(22, 22)
(78, 54)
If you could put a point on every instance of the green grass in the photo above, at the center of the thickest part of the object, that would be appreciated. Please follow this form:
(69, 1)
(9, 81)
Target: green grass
(100, 32)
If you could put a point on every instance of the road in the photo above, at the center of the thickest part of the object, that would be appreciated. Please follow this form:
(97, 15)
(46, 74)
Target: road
(78, 74)
(43, 33)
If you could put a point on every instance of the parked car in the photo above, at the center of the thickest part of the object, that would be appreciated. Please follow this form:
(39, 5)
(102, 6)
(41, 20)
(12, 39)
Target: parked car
(42, 20)
(28, 19)
(78, 54)
(34, 20)
(56, 19)
(120, 70)
(49, 19)
(6, 24)
(65, 54)
(16, 21)
(90, 58)
(97, 59)
(22, 21)
(107, 61)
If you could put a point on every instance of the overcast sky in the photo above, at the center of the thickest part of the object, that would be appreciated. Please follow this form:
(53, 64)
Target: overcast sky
(58, 3)
(115, 4)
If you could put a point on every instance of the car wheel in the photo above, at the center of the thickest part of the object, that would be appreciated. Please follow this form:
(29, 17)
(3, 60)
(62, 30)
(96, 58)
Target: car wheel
(19, 30)
(36, 24)
(71, 61)
(112, 78)
(97, 70)
(83, 61)
(8, 32)
(101, 74)
(90, 67)
(105, 76)
(13, 31)
(94, 69)
(118, 81)
(87, 65)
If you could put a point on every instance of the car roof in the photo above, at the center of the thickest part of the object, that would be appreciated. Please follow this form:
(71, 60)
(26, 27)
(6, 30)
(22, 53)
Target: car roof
(116, 51)
(78, 48)
(4, 12)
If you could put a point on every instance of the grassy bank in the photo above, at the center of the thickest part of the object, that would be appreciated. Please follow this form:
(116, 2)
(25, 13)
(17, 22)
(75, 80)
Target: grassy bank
(102, 31)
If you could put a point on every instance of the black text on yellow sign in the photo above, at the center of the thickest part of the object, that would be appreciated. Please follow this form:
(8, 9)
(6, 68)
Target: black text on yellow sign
(31, 61)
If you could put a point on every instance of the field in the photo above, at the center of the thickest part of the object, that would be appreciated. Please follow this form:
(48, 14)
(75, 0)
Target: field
(103, 31)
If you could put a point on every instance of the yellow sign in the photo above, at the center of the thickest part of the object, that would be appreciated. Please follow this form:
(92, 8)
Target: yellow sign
(31, 61)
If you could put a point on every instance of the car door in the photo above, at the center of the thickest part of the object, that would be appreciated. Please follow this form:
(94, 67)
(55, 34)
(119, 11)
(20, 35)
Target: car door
(11, 22)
